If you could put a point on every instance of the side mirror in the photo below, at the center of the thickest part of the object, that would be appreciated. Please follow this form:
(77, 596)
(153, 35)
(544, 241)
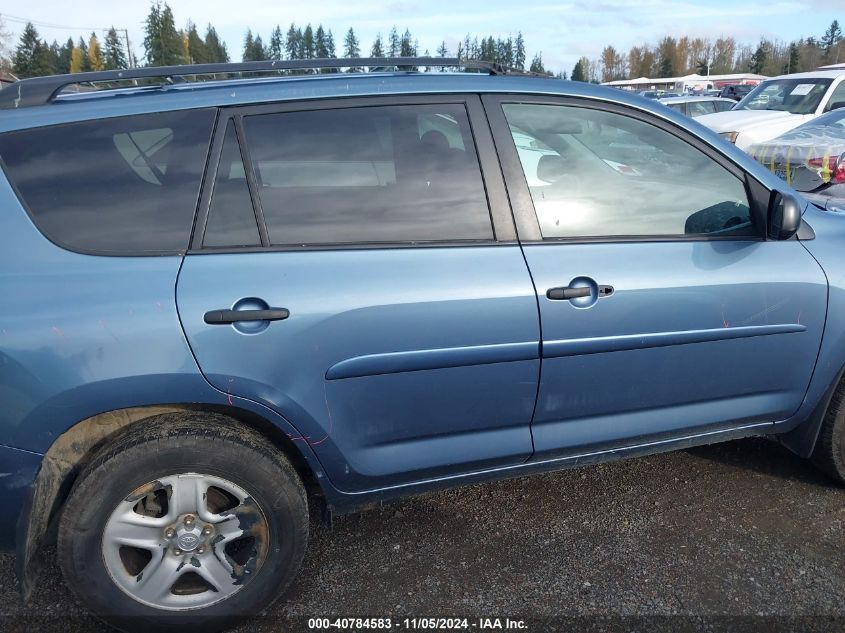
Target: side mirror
(784, 216)
(551, 168)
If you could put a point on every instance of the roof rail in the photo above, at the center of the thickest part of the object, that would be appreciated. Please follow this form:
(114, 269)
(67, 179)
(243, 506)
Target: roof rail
(42, 90)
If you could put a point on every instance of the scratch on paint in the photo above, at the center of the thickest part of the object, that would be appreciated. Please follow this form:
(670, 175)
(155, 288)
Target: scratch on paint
(724, 318)
(102, 323)
(798, 320)
(229, 391)
(159, 306)
(58, 331)
(331, 420)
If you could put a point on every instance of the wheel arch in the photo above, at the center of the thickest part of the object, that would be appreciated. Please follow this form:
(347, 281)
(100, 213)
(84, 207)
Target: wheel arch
(802, 439)
(75, 447)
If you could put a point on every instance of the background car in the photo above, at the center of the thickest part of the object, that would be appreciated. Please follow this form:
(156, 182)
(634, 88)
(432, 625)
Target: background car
(810, 158)
(735, 92)
(697, 106)
(779, 105)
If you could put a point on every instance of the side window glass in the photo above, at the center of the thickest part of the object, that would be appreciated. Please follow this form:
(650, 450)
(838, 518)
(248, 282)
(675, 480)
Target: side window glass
(231, 217)
(697, 108)
(594, 174)
(837, 98)
(124, 185)
(378, 174)
(721, 106)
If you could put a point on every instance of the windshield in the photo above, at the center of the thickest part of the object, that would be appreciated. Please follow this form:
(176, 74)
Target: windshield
(798, 96)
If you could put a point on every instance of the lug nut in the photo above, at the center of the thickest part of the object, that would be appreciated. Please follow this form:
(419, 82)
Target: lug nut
(178, 552)
(170, 532)
(206, 530)
(189, 521)
(201, 549)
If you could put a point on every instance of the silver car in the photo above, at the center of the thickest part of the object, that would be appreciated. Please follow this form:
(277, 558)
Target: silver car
(698, 106)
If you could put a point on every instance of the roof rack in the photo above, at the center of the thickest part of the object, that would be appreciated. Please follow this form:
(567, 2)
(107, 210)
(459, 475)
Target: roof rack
(42, 90)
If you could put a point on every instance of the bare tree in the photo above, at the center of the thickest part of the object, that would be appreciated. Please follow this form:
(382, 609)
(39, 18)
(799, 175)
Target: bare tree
(5, 47)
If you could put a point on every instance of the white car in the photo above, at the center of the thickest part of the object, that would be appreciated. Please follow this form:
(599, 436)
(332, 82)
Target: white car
(698, 106)
(778, 105)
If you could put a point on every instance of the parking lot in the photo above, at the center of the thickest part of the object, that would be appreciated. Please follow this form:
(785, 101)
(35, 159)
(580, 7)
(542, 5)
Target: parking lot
(736, 529)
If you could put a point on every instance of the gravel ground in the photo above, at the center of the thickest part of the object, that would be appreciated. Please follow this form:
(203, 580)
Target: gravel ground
(737, 529)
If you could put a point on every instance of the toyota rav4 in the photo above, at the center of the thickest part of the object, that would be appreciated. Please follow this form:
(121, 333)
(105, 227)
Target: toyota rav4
(222, 299)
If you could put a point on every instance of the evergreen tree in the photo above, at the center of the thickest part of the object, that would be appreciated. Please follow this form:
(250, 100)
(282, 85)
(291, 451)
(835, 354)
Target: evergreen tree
(254, 50)
(215, 50)
(393, 43)
(113, 55)
(794, 62)
(504, 52)
(321, 51)
(249, 45)
(519, 53)
(65, 52)
(351, 48)
(465, 48)
(378, 47)
(196, 52)
(442, 51)
(53, 54)
(330, 45)
(406, 47)
(85, 62)
(308, 47)
(578, 72)
(163, 46)
(758, 59)
(276, 50)
(830, 39)
(32, 56)
(293, 42)
(44, 63)
(537, 64)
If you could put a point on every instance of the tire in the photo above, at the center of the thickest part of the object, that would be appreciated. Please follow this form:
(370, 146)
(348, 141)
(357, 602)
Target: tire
(829, 451)
(244, 542)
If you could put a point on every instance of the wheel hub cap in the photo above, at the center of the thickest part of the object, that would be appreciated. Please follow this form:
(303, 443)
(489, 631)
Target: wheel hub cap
(188, 541)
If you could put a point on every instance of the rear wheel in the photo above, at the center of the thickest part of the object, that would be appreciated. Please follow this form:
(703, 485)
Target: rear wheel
(187, 520)
(829, 452)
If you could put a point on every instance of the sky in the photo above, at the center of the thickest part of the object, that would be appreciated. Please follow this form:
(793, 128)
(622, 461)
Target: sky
(562, 31)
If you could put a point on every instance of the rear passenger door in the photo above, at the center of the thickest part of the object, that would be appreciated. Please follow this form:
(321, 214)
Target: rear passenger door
(389, 313)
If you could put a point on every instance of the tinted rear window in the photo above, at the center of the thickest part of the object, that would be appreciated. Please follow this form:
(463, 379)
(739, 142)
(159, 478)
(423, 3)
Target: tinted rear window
(123, 186)
(375, 174)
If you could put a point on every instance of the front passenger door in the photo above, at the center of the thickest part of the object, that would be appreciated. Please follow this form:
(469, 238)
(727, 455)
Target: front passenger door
(664, 310)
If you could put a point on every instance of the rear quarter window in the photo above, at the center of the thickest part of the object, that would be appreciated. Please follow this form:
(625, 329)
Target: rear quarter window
(121, 186)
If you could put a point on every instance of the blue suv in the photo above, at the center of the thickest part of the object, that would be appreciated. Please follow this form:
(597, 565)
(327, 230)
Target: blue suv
(222, 299)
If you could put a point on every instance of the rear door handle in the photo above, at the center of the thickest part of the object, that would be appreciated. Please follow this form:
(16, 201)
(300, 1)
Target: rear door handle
(566, 293)
(225, 317)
